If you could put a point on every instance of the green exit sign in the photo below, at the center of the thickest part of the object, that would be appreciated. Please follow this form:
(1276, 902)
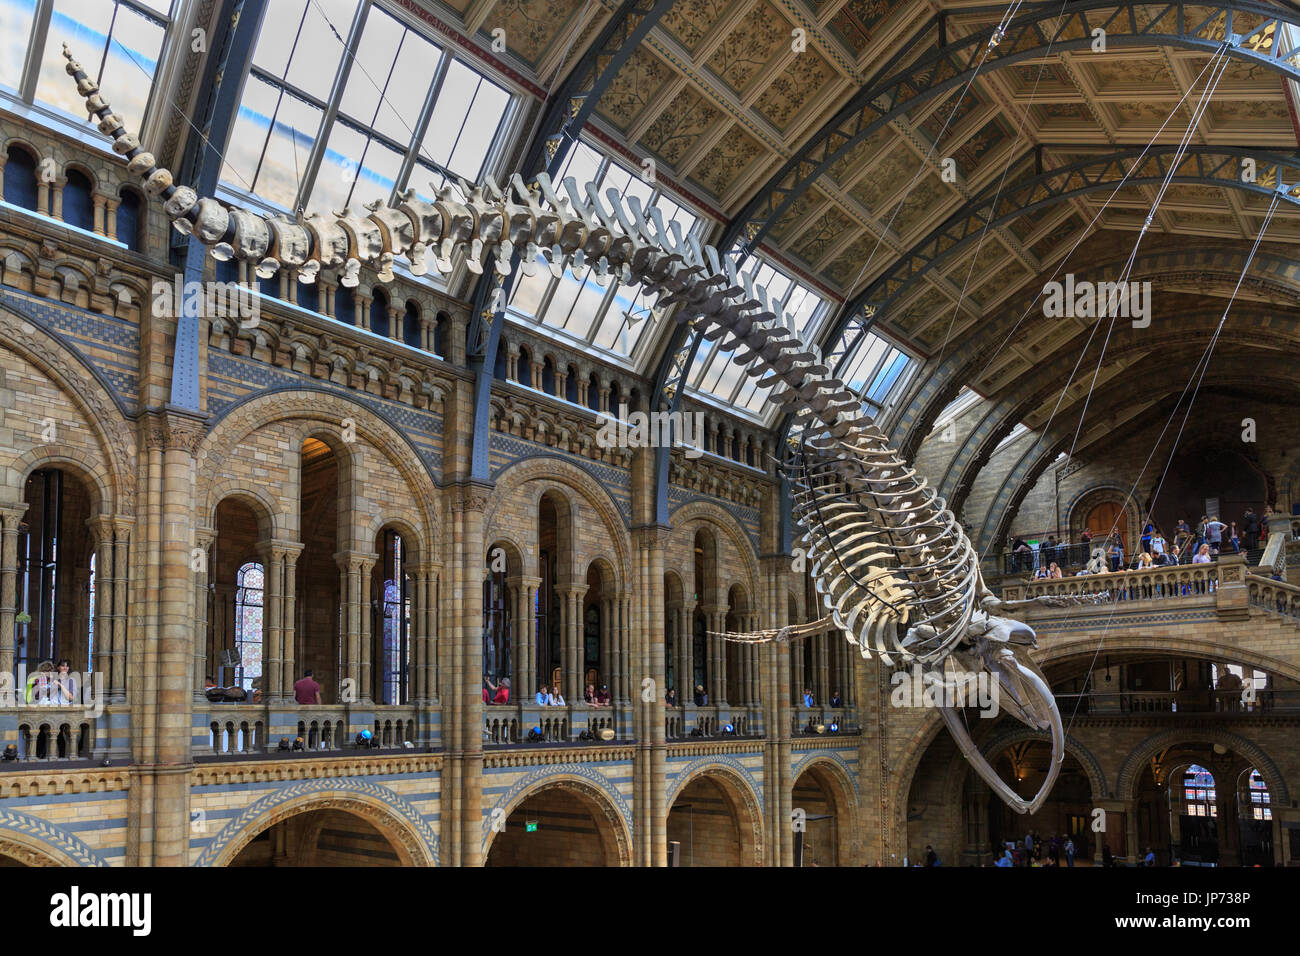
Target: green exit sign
(530, 826)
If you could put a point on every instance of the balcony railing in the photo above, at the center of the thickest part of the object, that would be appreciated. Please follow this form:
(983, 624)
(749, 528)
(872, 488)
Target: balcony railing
(1276, 596)
(1154, 584)
(53, 734)
(1181, 702)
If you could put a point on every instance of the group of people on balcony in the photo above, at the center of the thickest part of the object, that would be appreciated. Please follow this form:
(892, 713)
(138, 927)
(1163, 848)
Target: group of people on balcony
(1210, 538)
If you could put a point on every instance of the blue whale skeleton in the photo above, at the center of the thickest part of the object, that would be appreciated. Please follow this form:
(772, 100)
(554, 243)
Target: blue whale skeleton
(894, 570)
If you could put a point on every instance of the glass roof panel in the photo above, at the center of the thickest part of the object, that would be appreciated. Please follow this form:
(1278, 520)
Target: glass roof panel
(613, 317)
(15, 31)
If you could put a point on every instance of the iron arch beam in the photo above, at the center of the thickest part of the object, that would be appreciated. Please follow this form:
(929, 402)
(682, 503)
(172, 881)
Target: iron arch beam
(1217, 166)
(1044, 28)
(238, 24)
(1000, 419)
(1200, 165)
(931, 393)
(1275, 377)
(562, 121)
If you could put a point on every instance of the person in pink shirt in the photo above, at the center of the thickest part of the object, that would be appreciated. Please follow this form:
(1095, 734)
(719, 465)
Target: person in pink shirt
(306, 690)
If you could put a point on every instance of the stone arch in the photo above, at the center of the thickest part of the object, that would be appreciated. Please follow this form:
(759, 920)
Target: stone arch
(85, 387)
(69, 459)
(725, 522)
(598, 790)
(1136, 761)
(1085, 647)
(551, 472)
(400, 823)
(740, 787)
(1100, 493)
(269, 521)
(406, 525)
(38, 843)
(832, 771)
(316, 406)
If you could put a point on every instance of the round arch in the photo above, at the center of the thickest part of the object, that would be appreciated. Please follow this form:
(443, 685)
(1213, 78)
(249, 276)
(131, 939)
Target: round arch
(269, 524)
(739, 789)
(556, 474)
(315, 408)
(596, 792)
(833, 776)
(1131, 770)
(684, 518)
(385, 811)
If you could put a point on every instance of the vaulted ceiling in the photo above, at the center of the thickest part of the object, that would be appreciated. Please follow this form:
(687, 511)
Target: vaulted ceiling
(722, 96)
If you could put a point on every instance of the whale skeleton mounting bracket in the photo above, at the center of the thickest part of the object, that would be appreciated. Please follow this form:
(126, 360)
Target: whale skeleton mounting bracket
(892, 567)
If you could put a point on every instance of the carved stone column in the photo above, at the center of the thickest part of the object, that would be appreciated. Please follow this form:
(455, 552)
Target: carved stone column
(110, 221)
(356, 605)
(203, 538)
(272, 622)
(120, 581)
(289, 628)
(572, 658)
(686, 653)
(367, 642)
(10, 517)
(527, 629)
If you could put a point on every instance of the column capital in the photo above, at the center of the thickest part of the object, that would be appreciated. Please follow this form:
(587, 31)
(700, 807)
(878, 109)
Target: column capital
(529, 582)
(12, 514)
(278, 548)
(355, 560)
(175, 428)
(470, 496)
(203, 537)
(568, 589)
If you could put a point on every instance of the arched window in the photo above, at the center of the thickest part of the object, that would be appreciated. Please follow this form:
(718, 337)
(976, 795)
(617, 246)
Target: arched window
(20, 178)
(78, 205)
(548, 376)
(345, 305)
(546, 621)
(571, 385)
(396, 631)
(128, 219)
(593, 392)
(90, 617)
(250, 589)
(441, 328)
(524, 367)
(1199, 792)
(379, 314)
(496, 626)
(411, 325)
(308, 295)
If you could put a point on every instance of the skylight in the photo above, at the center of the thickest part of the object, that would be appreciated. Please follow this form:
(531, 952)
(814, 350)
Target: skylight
(121, 40)
(718, 378)
(612, 317)
(320, 130)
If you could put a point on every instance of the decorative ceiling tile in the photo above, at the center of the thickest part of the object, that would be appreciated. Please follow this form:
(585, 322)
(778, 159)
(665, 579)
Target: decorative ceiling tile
(1000, 287)
(970, 153)
(947, 116)
(857, 21)
(847, 266)
(1064, 113)
(1149, 74)
(891, 174)
(927, 196)
(760, 35)
(531, 25)
(796, 216)
(920, 310)
(826, 230)
(1067, 229)
(633, 88)
(793, 88)
(726, 161)
(690, 20)
(677, 128)
(847, 166)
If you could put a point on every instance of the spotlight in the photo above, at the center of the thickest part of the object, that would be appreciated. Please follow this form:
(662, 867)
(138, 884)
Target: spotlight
(586, 735)
(284, 744)
(365, 738)
(298, 744)
(535, 735)
(696, 732)
(11, 752)
(834, 727)
(728, 730)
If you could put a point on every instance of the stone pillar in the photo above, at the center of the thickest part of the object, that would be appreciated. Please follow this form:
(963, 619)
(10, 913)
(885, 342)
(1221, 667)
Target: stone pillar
(465, 751)
(362, 301)
(98, 218)
(716, 620)
(289, 627)
(272, 622)
(10, 517)
(110, 221)
(582, 390)
(528, 587)
(203, 539)
(177, 435)
(1233, 599)
(121, 578)
(574, 642)
(56, 192)
(367, 643)
(622, 641)
(356, 605)
(395, 316)
(686, 653)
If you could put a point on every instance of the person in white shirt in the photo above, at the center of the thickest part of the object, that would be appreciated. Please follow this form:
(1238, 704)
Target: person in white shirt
(1203, 555)
(555, 698)
(1157, 545)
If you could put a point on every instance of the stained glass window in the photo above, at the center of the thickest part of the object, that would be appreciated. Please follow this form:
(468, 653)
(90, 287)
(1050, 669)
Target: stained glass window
(396, 630)
(250, 587)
